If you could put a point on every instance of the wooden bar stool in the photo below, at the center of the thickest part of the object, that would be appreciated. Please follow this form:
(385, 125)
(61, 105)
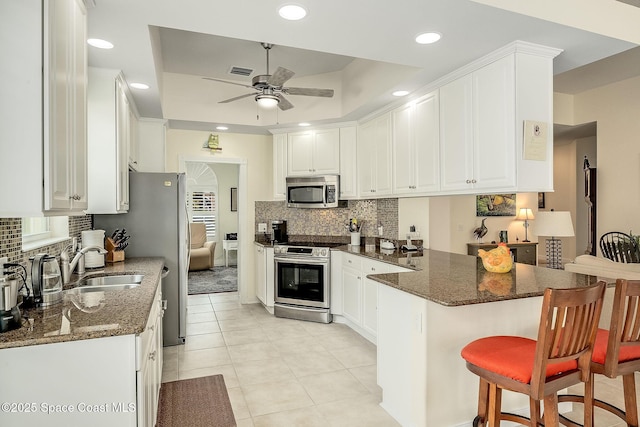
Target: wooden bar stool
(559, 358)
(616, 352)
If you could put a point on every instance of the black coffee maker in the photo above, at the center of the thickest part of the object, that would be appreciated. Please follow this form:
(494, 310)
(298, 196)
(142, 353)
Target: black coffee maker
(279, 231)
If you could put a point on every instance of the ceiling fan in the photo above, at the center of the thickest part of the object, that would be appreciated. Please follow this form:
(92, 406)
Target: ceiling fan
(270, 89)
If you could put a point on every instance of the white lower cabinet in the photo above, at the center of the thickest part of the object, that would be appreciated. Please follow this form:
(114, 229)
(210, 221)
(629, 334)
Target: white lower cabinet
(263, 260)
(105, 382)
(360, 294)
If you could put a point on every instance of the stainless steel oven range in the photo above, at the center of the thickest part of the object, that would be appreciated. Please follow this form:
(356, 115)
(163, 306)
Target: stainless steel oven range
(302, 281)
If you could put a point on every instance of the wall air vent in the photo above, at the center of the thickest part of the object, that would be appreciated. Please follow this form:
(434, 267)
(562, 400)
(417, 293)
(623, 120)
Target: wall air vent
(635, 3)
(241, 71)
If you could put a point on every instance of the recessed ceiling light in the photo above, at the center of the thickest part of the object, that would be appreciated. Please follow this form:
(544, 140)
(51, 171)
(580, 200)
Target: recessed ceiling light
(139, 86)
(304, 124)
(100, 44)
(400, 93)
(428, 38)
(292, 12)
(222, 128)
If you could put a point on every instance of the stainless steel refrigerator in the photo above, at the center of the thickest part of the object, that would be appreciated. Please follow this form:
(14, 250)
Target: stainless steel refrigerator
(157, 222)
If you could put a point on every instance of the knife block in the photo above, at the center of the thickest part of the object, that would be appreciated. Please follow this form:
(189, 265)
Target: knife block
(113, 255)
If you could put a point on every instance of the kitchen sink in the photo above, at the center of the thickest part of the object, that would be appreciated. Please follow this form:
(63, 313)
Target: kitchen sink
(108, 283)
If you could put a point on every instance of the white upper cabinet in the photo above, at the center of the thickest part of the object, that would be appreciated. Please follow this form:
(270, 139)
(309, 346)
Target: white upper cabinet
(45, 119)
(279, 166)
(109, 134)
(348, 163)
(478, 130)
(374, 157)
(415, 141)
(314, 152)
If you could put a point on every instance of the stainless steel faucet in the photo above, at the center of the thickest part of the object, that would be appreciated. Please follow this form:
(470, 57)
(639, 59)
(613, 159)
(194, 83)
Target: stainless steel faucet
(77, 261)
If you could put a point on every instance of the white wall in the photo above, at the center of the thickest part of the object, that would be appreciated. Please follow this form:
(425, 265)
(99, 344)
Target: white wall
(414, 211)
(256, 150)
(616, 109)
(227, 175)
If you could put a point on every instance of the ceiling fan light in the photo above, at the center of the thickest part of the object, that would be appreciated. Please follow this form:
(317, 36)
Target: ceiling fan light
(428, 38)
(292, 12)
(267, 101)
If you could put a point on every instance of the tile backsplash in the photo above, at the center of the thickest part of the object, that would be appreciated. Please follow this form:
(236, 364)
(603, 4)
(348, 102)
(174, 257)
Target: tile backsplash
(331, 222)
(11, 239)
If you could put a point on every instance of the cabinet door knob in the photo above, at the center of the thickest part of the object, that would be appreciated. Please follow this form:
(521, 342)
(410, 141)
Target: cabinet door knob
(473, 181)
(468, 181)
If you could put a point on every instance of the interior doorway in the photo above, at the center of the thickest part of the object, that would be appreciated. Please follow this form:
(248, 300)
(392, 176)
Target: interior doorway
(225, 182)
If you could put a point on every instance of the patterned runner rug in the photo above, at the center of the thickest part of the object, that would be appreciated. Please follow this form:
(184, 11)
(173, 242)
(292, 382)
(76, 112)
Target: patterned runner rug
(196, 402)
(220, 279)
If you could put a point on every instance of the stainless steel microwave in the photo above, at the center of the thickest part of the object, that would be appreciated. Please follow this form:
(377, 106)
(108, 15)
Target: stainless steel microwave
(320, 191)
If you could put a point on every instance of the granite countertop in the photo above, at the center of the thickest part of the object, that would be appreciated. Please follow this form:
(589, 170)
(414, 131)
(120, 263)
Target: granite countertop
(121, 312)
(455, 280)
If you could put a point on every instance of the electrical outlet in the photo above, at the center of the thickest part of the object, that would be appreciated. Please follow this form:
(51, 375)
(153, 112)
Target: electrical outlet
(262, 227)
(4, 260)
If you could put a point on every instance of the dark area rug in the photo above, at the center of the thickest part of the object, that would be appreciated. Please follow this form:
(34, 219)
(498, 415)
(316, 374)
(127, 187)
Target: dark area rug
(220, 279)
(197, 402)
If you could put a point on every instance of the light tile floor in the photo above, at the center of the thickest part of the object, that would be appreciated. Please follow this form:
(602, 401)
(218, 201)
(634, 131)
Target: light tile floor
(283, 372)
(279, 372)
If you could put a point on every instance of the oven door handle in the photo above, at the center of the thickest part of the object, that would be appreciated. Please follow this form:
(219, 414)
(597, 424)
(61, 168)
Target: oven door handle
(301, 260)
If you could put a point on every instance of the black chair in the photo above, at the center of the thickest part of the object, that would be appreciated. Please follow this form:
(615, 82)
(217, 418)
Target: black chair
(619, 247)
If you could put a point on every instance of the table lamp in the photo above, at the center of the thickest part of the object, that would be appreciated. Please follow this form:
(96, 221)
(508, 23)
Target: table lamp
(525, 214)
(554, 224)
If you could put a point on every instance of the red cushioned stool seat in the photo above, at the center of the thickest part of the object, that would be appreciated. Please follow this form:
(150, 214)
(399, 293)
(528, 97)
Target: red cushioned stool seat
(559, 358)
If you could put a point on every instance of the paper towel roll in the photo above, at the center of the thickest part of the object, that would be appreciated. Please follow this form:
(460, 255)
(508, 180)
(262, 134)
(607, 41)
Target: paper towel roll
(93, 238)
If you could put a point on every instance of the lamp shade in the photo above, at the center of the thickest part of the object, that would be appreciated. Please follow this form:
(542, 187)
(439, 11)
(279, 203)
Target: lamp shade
(525, 214)
(554, 224)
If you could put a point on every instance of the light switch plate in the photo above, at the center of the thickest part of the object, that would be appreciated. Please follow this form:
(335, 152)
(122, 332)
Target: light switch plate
(262, 227)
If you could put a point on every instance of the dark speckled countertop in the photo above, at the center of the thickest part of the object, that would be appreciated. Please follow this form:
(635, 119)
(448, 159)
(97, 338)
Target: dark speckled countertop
(121, 312)
(454, 280)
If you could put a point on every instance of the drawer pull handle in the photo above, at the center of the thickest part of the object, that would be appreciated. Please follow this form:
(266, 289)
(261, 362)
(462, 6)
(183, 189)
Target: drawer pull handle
(152, 355)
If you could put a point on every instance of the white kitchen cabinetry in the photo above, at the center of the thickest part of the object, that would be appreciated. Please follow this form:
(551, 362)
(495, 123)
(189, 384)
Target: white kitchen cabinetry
(374, 157)
(314, 152)
(119, 377)
(109, 134)
(264, 275)
(482, 115)
(416, 142)
(279, 166)
(134, 146)
(477, 130)
(44, 125)
(360, 294)
(150, 359)
(348, 163)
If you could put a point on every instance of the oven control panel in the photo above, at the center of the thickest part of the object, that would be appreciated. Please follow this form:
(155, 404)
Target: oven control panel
(300, 251)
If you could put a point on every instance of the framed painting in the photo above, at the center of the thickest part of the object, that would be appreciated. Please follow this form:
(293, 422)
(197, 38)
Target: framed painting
(234, 199)
(540, 200)
(496, 205)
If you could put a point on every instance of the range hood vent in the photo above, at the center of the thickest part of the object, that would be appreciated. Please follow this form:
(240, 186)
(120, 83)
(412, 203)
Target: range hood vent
(241, 71)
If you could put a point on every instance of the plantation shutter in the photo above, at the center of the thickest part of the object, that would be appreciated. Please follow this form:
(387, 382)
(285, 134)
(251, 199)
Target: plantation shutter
(203, 209)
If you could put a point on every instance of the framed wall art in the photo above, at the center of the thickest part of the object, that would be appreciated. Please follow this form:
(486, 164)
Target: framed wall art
(496, 205)
(234, 199)
(540, 200)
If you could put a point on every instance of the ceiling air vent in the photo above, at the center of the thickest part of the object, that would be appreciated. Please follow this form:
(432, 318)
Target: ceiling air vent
(241, 71)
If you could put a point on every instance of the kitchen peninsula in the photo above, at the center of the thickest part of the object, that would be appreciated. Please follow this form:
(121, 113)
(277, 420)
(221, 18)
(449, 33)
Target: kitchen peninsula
(425, 317)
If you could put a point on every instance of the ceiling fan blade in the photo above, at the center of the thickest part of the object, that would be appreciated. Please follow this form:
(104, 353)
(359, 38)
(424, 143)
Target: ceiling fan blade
(225, 81)
(284, 104)
(308, 91)
(236, 98)
(280, 76)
